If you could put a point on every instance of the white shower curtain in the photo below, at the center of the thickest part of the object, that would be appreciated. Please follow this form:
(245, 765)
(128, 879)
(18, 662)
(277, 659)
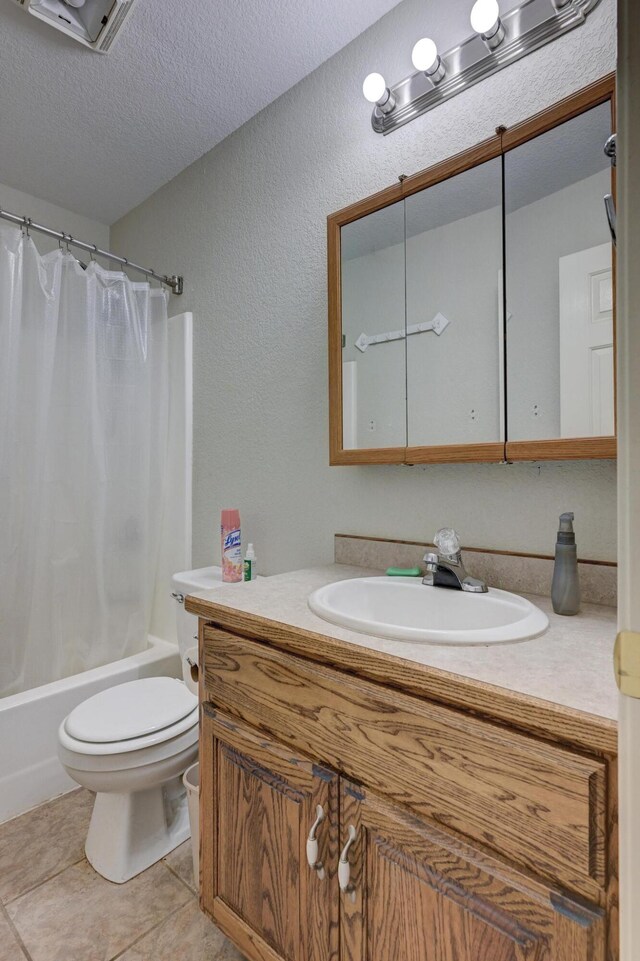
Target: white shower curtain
(83, 437)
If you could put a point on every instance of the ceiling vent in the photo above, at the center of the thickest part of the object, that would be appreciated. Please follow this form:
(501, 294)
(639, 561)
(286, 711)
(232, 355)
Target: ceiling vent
(94, 23)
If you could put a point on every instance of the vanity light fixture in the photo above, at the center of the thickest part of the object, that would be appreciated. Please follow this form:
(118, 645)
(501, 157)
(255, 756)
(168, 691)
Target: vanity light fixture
(485, 20)
(376, 91)
(426, 58)
(497, 41)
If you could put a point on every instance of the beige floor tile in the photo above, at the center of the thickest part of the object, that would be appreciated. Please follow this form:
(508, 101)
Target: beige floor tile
(78, 916)
(39, 844)
(10, 950)
(181, 862)
(188, 936)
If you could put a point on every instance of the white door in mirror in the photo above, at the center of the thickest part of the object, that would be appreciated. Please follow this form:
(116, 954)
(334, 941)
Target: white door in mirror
(402, 608)
(586, 344)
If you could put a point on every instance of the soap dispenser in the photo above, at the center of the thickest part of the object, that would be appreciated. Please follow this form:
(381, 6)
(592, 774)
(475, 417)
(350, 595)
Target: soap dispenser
(565, 588)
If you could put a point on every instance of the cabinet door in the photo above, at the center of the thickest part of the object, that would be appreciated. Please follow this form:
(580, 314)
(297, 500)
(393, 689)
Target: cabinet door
(420, 894)
(454, 281)
(560, 330)
(257, 884)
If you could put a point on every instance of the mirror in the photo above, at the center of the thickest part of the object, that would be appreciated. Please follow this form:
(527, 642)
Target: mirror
(421, 294)
(453, 241)
(559, 283)
(373, 325)
(471, 306)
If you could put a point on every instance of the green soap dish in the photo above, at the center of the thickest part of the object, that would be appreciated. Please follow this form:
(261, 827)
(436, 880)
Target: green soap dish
(403, 572)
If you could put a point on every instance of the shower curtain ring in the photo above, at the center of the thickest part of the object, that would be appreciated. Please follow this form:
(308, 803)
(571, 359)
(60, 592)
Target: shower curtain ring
(26, 225)
(92, 253)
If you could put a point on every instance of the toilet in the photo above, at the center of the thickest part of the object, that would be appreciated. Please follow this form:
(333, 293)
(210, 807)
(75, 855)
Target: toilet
(131, 744)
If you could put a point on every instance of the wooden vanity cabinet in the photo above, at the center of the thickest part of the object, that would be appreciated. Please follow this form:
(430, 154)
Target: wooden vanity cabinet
(259, 801)
(421, 894)
(282, 736)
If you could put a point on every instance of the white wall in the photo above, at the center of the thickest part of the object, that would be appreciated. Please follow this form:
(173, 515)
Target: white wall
(246, 224)
(50, 215)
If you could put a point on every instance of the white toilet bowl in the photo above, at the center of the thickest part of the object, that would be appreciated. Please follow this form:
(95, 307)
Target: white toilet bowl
(131, 744)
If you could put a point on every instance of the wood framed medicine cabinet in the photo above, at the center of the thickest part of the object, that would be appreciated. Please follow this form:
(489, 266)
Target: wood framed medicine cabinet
(521, 219)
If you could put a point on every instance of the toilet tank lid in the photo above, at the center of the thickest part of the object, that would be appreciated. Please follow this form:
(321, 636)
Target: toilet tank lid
(131, 710)
(202, 579)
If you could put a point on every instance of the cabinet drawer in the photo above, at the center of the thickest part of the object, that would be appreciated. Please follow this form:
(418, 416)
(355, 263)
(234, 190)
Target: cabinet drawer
(539, 805)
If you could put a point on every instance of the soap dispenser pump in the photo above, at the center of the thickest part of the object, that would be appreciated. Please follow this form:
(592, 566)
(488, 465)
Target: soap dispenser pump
(565, 588)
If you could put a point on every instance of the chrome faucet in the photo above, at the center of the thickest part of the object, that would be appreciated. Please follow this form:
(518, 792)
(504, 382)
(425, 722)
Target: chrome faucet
(445, 569)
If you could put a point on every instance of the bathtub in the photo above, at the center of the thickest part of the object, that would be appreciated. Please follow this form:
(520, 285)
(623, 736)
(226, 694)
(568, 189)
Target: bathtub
(29, 768)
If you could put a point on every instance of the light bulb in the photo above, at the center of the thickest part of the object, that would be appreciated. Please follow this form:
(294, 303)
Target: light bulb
(374, 87)
(424, 55)
(426, 58)
(485, 16)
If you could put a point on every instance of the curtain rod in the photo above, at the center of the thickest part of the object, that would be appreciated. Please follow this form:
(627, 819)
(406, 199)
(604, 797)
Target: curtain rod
(176, 283)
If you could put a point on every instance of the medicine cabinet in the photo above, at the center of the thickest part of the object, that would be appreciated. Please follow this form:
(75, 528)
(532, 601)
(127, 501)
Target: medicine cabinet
(472, 306)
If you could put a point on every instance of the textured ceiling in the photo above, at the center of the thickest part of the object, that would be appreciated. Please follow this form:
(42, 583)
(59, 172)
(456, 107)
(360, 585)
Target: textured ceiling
(97, 134)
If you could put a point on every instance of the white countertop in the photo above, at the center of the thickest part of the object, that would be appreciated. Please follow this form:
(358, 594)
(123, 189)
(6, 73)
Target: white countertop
(571, 664)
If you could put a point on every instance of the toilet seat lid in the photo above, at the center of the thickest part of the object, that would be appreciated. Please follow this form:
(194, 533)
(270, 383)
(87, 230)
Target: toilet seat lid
(131, 710)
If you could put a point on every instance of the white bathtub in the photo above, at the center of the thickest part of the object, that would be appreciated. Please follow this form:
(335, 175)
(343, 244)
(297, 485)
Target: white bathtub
(29, 768)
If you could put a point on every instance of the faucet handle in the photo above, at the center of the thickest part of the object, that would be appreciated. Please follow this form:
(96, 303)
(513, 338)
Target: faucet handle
(431, 562)
(447, 541)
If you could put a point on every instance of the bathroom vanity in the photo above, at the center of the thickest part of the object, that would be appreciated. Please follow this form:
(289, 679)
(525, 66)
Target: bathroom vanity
(368, 800)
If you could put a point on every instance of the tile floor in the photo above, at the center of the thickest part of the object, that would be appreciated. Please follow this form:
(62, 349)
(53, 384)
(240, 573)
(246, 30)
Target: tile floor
(54, 907)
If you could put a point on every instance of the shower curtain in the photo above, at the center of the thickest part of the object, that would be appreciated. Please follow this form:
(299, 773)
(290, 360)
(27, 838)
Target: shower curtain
(83, 436)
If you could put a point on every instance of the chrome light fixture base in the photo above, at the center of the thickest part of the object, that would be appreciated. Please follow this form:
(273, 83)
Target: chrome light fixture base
(386, 104)
(437, 73)
(524, 29)
(493, 40)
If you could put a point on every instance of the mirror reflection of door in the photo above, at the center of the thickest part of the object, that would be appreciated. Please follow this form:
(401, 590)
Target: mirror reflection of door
(586, 343)
(560, 373)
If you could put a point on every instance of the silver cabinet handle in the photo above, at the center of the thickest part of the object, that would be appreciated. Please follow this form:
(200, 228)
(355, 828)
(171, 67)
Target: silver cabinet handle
(611, 150)
(610, 207)
(179, 597)
(312, 844)
(344, 868)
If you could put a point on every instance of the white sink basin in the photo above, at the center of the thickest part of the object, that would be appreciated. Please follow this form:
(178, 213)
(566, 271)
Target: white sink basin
(404, 609)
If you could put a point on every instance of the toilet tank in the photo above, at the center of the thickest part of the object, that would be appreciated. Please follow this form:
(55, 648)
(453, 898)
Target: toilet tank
(190, 582)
